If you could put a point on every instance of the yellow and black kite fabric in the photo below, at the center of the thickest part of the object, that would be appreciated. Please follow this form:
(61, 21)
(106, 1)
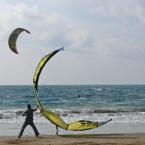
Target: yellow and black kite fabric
(13, 39)
(80, 125)
(40, 66)
(51, 116)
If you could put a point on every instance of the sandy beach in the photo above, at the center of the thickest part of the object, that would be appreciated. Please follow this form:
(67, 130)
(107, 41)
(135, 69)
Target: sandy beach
(87, 139)
(109, 134)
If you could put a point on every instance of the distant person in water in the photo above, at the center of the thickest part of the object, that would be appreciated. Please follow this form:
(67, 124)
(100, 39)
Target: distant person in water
(78, 96)
(29, 121)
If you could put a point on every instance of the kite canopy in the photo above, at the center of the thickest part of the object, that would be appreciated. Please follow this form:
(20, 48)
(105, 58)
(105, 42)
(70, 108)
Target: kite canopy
(80, 125)
(13, 39)
(40, 66)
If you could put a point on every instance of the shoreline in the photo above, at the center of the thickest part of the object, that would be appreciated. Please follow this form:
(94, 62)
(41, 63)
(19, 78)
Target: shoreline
(50, 129)
(77, 139)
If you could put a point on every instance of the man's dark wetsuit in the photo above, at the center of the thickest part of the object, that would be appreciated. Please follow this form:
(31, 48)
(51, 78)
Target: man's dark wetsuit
(29, 121)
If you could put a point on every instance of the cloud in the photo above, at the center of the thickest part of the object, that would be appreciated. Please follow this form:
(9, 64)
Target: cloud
(51, 29)
(15, 14)
(99, 30)
(118, 8)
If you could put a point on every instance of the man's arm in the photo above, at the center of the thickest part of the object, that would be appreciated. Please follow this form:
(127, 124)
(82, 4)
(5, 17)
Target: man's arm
(36, 108)
(24, 114)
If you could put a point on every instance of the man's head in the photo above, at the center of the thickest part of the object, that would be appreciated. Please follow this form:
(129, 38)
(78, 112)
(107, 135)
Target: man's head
(29, 106)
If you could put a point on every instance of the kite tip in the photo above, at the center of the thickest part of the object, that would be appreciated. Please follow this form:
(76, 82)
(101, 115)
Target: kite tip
(15, 51)
(28, 32)
(62, 48)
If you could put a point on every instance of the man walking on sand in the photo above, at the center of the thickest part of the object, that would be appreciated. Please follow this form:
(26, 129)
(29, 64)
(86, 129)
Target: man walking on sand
(29, 121)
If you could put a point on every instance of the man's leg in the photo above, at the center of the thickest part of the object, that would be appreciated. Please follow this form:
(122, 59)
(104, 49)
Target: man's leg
(34, 128)
(56, 130)
(22, 129)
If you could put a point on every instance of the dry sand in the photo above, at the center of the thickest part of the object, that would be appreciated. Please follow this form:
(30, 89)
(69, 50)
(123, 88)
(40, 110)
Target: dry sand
(89, 139)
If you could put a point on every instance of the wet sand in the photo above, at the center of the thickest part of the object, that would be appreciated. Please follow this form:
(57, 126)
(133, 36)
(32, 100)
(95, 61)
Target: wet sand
(77, 139)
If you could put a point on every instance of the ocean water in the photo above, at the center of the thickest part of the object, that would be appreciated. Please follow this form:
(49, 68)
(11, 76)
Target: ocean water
(122, 103)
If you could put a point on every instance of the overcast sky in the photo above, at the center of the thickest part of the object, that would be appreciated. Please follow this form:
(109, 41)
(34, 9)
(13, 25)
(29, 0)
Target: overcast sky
(104, 41)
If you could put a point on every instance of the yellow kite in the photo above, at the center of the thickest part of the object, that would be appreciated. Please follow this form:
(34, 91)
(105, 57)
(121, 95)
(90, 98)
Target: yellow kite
(80, 125)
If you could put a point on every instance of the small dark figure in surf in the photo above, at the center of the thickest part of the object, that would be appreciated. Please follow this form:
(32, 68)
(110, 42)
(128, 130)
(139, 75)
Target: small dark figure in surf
(29, 121)
(78, 96)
